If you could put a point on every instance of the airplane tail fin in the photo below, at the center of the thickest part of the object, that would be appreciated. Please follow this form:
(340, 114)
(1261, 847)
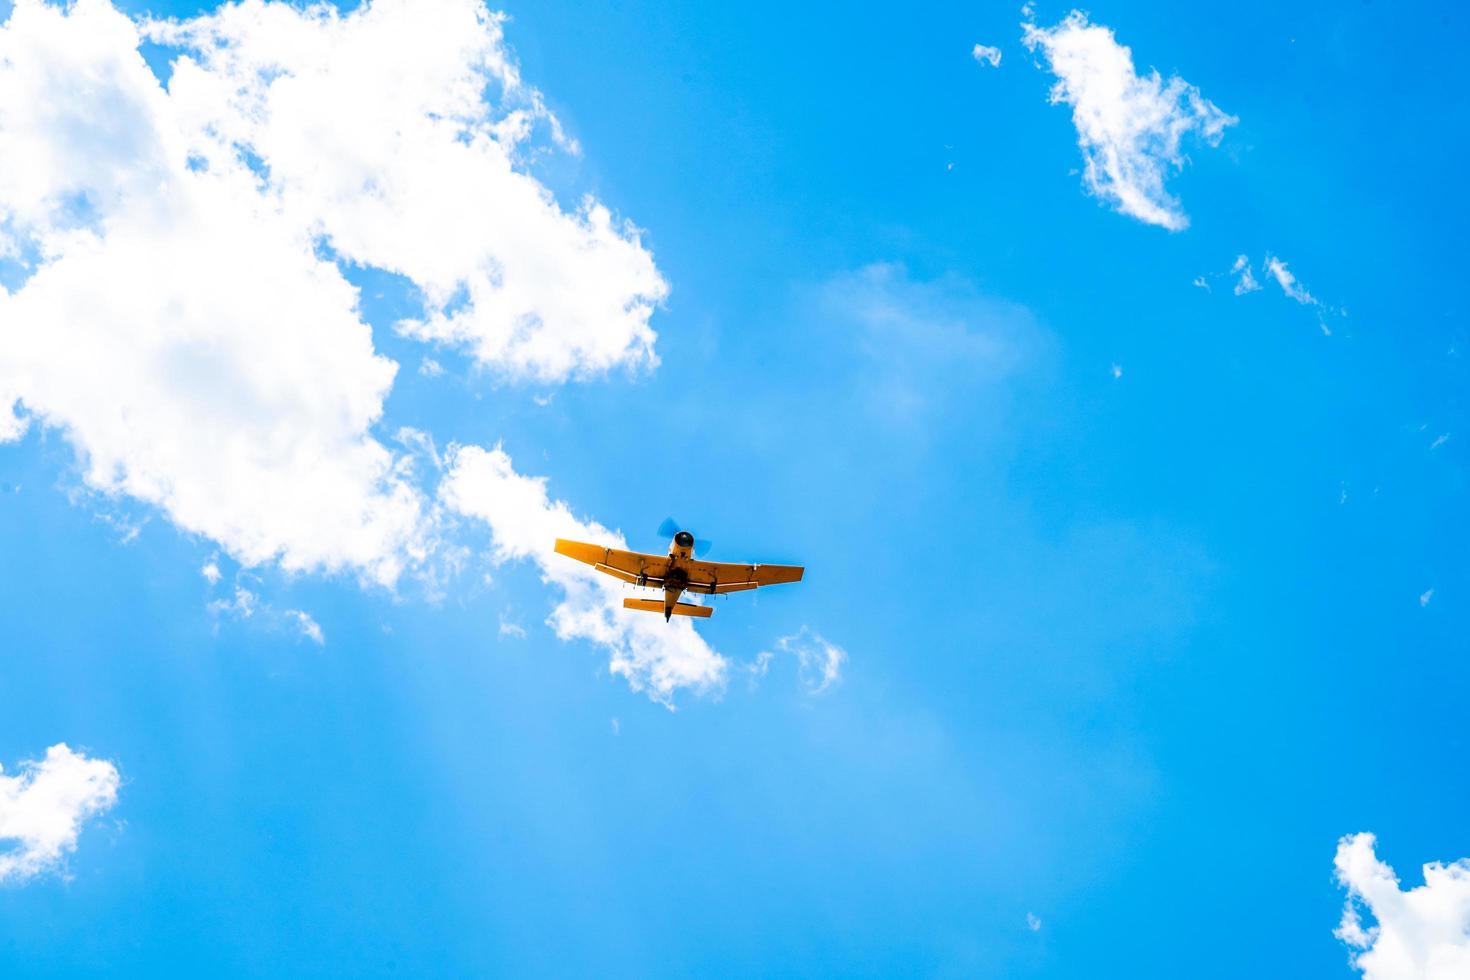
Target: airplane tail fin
(680, 608)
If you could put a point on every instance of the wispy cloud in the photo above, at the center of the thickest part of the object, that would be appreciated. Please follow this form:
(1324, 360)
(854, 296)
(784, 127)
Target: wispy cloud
(1275, 270)
(512, 629)
(43, 808)
(306, 626)
(1129, 126)
(243, 604)
(1245, 279)
(1288, 282)
(819, 663)
(1419, 934)
(924, 340)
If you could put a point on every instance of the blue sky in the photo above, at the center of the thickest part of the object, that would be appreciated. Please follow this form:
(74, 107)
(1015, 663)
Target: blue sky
(1144, 589)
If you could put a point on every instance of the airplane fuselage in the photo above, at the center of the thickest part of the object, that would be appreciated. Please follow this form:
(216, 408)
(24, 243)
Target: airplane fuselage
(676, 579)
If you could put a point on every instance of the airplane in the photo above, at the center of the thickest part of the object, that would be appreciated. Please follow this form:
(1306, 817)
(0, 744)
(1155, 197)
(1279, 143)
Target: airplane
(678, 572)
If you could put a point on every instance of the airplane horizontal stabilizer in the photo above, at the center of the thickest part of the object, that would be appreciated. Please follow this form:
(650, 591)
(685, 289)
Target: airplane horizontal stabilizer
(680, 608)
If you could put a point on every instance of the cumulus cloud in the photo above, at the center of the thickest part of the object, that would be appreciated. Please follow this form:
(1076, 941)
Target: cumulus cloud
(1419, 934)
(182, 333)
(43, 808)
(524, 522)
(183, 316)
(1129, 126)
(986, 55)
(373, 130)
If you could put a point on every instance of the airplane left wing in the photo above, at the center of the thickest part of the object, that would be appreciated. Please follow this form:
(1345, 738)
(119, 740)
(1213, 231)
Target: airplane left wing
(715, 577)
(630, 566)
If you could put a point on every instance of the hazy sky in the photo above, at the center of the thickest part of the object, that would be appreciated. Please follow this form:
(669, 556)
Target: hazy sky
(1106, 370)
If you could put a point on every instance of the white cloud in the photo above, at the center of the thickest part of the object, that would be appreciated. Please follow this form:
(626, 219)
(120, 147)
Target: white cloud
(211, 572)
(246, 605)
(1246, 283)
(241, 604)
(1419, 934)
(43, 807)
(306, 626)
(985, 54)
(1424, 598)
(818, 662)
(13, 424)
(1033, 922)
(1288, 282)
(511, 629)
(656, 657)
(1129, 126)
(195, 351)
(374, 131)
(188, 326)
(1276, 270)
(1439, 440)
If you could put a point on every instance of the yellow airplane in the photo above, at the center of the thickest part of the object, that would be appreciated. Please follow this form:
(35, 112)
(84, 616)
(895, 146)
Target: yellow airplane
(678, 572)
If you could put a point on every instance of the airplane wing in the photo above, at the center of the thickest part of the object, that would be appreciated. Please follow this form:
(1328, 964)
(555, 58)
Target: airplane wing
(630, 566)
(715, 577)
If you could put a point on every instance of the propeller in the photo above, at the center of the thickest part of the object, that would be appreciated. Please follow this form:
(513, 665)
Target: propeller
(671, 527)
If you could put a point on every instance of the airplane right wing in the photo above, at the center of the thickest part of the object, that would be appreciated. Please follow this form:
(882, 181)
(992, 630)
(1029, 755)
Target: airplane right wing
(630, 566)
